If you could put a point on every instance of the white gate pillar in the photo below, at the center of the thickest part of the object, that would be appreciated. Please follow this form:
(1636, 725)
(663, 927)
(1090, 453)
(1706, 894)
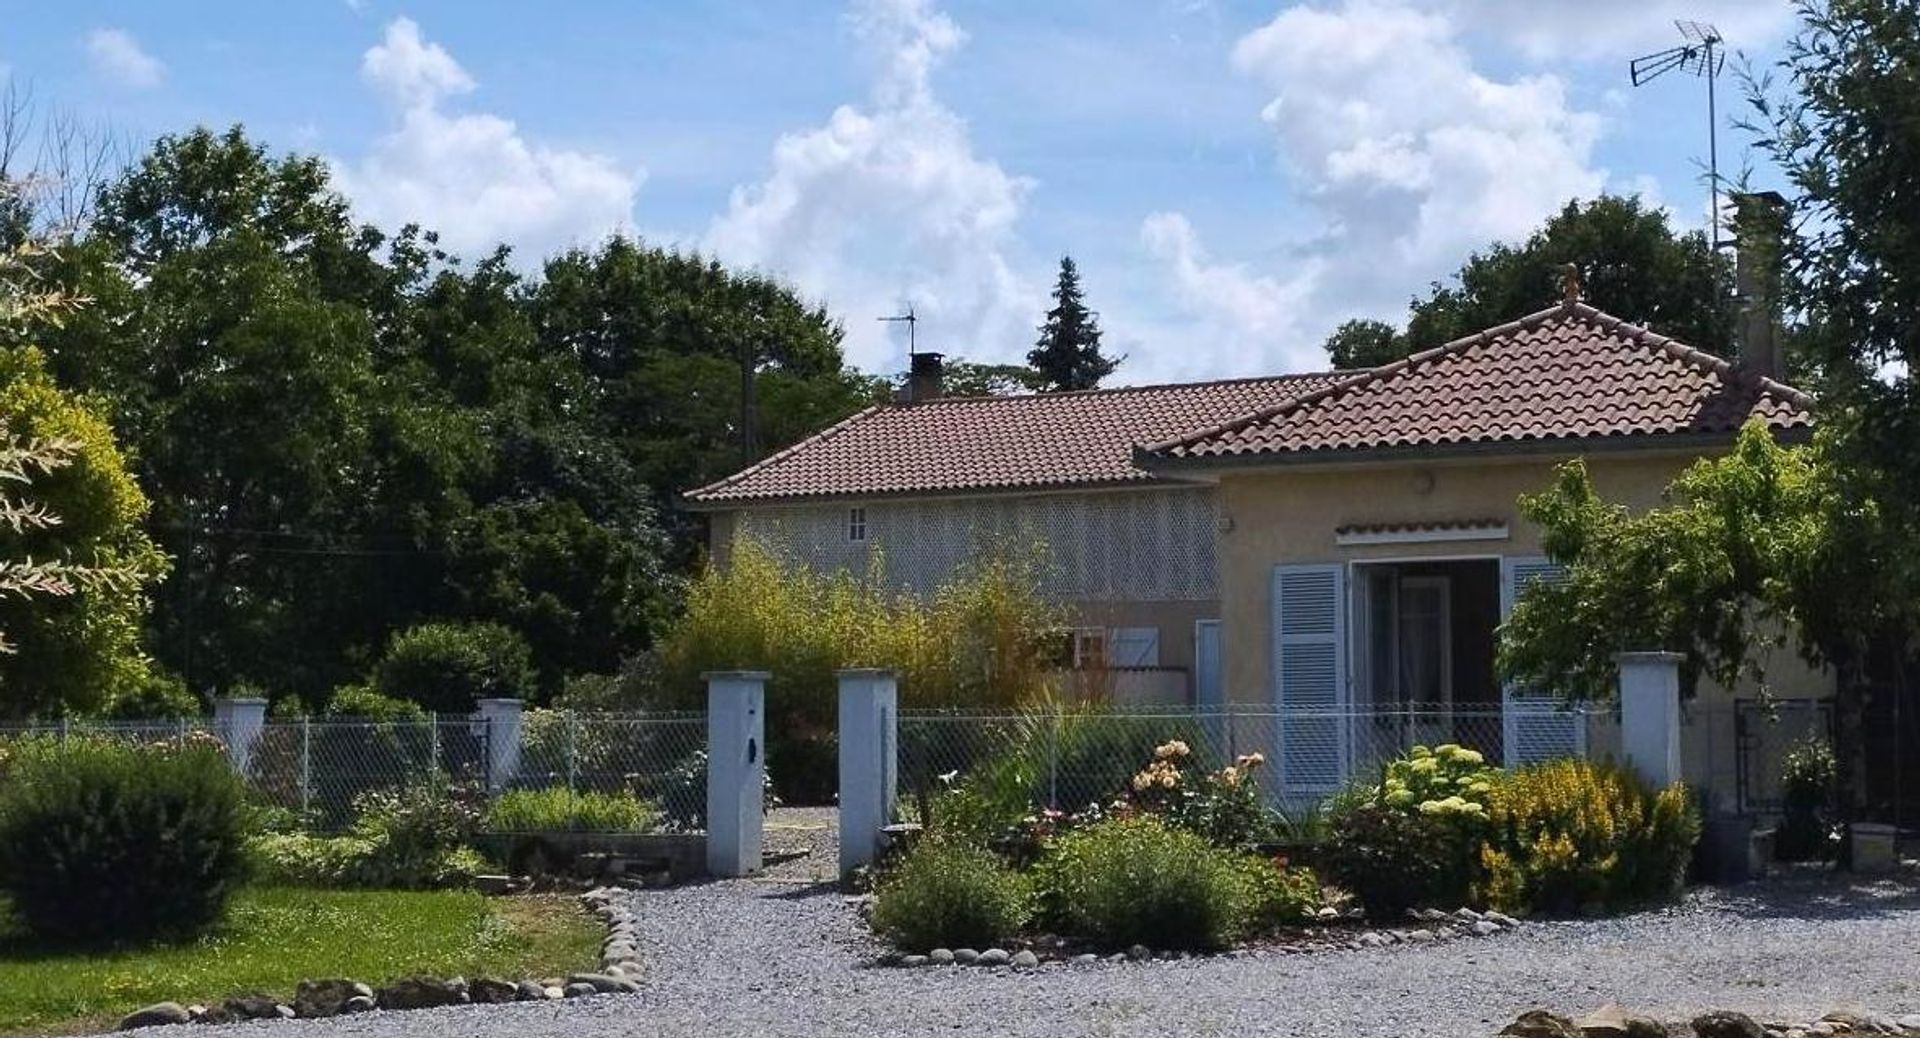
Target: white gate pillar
(500, 719)
(1650, 715)
(869, 762)
(736, 770)
(238, 722)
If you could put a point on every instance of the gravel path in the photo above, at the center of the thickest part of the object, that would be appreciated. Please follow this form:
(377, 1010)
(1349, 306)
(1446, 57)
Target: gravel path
(751, 958)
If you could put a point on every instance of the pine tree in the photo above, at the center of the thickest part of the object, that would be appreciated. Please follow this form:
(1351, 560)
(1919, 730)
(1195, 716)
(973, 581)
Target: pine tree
(1068, 353)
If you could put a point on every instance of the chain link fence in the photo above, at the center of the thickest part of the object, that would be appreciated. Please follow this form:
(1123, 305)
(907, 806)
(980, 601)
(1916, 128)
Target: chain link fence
(316, 769)
(1070, 758)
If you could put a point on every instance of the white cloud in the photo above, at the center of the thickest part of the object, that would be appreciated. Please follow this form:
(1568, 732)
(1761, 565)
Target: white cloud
(474, 177)
(887, 204)
(1246, 321)
(1408, 156)
(115, 54)
(1584, 30)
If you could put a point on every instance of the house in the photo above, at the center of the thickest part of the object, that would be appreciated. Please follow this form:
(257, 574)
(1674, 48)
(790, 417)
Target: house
(1338, 550)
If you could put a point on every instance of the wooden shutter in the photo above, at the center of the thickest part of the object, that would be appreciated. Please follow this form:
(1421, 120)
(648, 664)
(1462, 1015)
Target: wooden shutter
(1535, 727)
(1310, 676)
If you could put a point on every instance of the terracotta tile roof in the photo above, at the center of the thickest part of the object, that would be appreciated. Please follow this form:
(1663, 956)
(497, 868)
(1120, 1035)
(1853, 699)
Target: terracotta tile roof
(1570, 372)
(964, 444)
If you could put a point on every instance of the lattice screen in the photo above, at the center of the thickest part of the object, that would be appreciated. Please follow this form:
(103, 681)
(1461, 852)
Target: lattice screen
(1130, 546)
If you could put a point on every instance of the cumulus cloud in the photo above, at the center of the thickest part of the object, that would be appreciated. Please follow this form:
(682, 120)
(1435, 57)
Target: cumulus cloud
(887, 204)
(115, 54)
(474, 176)
(1407, 155)
(1245, 321)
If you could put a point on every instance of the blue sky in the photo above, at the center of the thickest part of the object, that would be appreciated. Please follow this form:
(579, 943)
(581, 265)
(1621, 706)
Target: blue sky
(1233, 177)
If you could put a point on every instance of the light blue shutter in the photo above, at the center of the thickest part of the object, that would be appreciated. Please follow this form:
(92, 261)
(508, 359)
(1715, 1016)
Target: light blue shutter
(1310, 675)
(1534, 725)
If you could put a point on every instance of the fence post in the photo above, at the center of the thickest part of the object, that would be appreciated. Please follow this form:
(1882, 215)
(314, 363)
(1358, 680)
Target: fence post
(433, 744)
(736, 770)
(1650, 715)
(500, 719)
(573, 752)
(869, 762)
(238, 722)
(306, 766)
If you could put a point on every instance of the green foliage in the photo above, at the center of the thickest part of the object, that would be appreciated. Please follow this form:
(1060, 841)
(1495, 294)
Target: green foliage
(946, 894)
(157, 695)
(411, 839)
(1278, 894)
(447, 667)
(101, 840)
(1719, 573)
(275, 937)
(1067, 355)
(983, 639)
(1568, 835)
(1364, 343)
(75, 565)
(1394, 857)
(1807, 781)
(1443, 780)
(559, 809)
(369, 703)
(1138, 881)
(1224, 807)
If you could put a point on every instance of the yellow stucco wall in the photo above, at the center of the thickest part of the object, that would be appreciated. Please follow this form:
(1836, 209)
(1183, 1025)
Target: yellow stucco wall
(1289, 515)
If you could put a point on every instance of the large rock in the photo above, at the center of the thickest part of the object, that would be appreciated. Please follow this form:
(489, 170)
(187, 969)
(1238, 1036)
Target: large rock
(605, 983)
(251, 1007)
(160, 1014)
(530, 990)
(489, 991)
(422, 993)
(1539, 1023)
(1725, 1023)
(1611, 1021)
(318, 998)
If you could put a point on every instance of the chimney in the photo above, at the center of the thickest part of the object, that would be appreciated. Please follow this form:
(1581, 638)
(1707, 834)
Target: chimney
(926, 377)
(1759, 228)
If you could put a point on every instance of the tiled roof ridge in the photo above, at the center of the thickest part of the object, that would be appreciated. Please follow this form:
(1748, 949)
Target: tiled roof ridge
(1635, 333)
(781, 455)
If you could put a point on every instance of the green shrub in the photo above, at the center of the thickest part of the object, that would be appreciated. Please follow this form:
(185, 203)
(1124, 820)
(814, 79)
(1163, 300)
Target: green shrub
(157, 694)
(1573, 835)
(951, 895)
(1807, 831)
(364, 702)
(106, 840)
(1137, 881)
(1278, 894)
(1392, 859)
(446, 667)
(1223, 805)
(411, 839)
(559, 809)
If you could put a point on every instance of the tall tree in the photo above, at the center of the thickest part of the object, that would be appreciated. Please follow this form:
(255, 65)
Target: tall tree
(1364, 343)
(1067, 354)
(1632, 264)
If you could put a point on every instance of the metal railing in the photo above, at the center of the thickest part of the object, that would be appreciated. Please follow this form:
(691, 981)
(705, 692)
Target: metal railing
(1068, 758)
(317, 768)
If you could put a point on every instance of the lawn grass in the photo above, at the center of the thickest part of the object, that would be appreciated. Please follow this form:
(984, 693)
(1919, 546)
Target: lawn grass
(275, 937)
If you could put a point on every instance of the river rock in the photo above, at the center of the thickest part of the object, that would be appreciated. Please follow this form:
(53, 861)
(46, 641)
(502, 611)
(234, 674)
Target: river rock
(490, 991)
(1611, 1021)
(321, 998)
(157, 1015)
(1725, 1023)
(1539, 1023)
(422, 993)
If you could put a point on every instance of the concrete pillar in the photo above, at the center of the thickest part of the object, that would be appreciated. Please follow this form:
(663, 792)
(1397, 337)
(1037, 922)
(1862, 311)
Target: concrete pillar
(239, 722)
(1650, 715)
(869, 762)
(501, 721)
(736, 770)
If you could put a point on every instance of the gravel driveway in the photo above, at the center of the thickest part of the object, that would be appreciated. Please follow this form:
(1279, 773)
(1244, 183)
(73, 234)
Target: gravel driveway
(755, 958)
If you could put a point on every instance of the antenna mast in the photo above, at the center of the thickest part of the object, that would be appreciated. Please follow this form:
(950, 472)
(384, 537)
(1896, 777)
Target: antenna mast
(913, 324)
(1701, 55)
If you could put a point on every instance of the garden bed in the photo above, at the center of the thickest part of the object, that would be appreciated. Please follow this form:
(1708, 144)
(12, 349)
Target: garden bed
(273, 938)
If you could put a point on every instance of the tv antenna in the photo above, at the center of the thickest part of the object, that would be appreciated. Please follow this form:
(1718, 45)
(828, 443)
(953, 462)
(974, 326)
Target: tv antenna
(1701, 54)
(913, 324)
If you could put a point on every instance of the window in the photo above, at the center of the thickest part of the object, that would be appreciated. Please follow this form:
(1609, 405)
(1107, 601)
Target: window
(1089, 648)
(1133, 647)
(856, 525)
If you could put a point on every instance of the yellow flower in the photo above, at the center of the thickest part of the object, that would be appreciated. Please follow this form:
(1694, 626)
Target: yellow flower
(1470, 757)
(1230, 775)
(1419, 753)
(1142, 780)
(1169, 779)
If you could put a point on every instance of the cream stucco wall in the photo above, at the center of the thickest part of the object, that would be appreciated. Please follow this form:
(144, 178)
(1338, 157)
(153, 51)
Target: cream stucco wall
(1289, 515)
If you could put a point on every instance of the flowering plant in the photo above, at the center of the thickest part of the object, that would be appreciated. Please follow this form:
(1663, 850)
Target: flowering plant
(1445, 780)
(1223, 805)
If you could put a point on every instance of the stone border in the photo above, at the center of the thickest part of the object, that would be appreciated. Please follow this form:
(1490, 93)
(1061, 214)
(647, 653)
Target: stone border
(1612, 1021)
(1437, 926)
(314, 999)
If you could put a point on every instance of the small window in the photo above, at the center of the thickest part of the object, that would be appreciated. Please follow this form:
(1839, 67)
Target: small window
(1090, 648)
(856, 525)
